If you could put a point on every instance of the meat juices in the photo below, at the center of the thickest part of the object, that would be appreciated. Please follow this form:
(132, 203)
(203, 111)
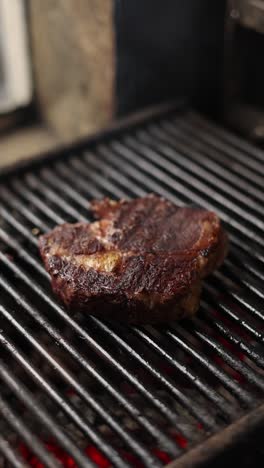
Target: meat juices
(142, 262)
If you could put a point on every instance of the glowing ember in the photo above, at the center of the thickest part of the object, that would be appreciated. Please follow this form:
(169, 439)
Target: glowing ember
(94, 455)
(62, 456)
(163, 456)
(97, 457)
(180, 440)
(131, 459)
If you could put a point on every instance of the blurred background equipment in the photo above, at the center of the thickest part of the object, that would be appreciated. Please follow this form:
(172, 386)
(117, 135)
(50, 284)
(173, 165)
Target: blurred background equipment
(93, 61)
(15, 68)
(71, 46)
(244, 68)
(166, 50)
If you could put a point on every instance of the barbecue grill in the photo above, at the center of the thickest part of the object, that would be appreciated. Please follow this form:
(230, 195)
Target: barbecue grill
(82, 392)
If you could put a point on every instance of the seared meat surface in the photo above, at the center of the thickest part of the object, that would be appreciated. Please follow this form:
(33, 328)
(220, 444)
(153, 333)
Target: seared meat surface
(142, 261)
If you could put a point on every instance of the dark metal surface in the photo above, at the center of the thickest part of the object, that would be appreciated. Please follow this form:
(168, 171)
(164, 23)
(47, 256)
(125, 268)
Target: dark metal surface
(243, 97)
(143, 394)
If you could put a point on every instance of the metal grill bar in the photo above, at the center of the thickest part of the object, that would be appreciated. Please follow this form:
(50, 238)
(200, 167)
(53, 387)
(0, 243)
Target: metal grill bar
(234, 316)
(85, 394)
(18, 425)
(81, 360)
(36, 184)
(91, 160)
(197, 150)
(85, 335)
(238, 142)
(243, 160)
(243, 261)
(138, 173)
(67, 174)
(59, 399)
(36, 408)
(96, 167)
(56, 182)
(22, 190)
(12, 200)
(10, 456)
(230, 385)
(228, 357)
(205, 389)
(212, 395)
(232, 336)
(146, 424)
(191, 406)
(179, 200)
(83, 169)
(201, 169)
(141, 176)
(171, 447)
(184, 159)
(247, 280)
(202, 188)
(16, 224)
(202, 177)
(79, 175)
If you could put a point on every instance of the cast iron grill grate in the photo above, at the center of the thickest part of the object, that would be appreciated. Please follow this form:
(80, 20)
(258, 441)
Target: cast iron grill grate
(83, 392)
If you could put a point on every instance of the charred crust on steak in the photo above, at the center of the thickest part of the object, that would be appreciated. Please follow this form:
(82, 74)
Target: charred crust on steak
(143, 260)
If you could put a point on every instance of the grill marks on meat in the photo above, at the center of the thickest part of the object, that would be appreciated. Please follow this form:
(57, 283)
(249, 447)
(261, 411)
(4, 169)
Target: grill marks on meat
(142, 261)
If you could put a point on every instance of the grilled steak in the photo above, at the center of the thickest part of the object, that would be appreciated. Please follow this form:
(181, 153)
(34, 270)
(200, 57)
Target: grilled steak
(142, 261)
